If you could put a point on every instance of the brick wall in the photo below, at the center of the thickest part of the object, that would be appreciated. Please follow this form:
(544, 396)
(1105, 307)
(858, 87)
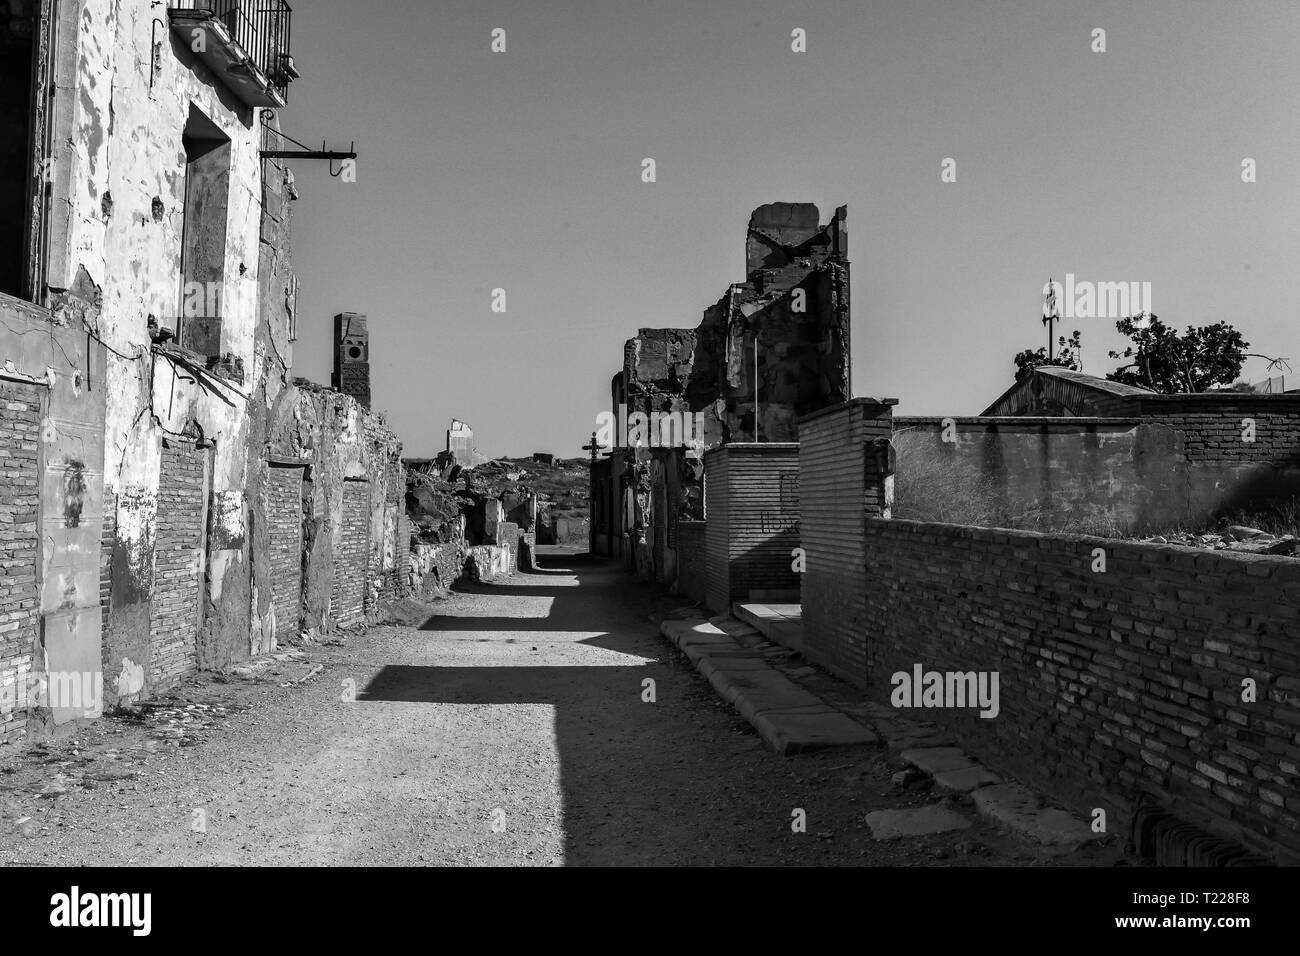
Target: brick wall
(20, 425)
(840, 484)
(178, 562)
(717, 581)
(1111, 683)
(752, 522)
(402, 564)
(351, 552)
(1212, 423)
(284, 534)
(107, 536)
(690, 559)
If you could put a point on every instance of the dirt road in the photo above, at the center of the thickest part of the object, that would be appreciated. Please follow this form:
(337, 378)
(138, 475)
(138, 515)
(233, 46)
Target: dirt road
(507, 726)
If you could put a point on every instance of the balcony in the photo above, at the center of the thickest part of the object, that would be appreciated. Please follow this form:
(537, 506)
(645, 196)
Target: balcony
(246, 42)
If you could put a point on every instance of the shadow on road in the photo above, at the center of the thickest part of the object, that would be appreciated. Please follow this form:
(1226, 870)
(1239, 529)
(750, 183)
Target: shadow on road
(621, 757)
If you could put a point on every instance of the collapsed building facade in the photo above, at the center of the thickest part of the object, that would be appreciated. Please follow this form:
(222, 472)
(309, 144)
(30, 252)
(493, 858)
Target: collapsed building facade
(163, 476)
(773, 348)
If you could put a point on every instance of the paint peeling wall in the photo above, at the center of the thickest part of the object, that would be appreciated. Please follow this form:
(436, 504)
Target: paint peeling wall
(136, 416)
(126, 89)
(127, 219)
(66, 369)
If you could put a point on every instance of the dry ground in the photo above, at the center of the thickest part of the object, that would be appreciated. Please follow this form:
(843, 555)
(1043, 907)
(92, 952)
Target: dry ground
(501, 726)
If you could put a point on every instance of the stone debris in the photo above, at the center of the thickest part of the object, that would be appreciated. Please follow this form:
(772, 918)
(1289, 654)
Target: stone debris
(1232, 538)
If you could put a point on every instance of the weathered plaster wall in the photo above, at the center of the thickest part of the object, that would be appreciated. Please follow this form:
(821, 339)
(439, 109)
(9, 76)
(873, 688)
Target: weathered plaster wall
(1130, 475)
(118, 269)
(66, 369)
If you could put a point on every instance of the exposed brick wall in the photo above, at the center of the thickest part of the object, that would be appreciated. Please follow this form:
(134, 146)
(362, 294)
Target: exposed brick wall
(1212, 423)
(717, 567)
(107, 536)
(351, 553)
(1219, 437)
(690, 559)
(402, 566)
(752, 525)
(284, 532)
(178, 560)
(1110, 683)
(839, 485)
(508, 535)
(20, 424)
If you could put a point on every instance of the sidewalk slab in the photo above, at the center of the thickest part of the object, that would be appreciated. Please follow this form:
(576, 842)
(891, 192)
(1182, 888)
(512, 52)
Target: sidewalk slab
(966, 779)
(923, 821)
(801, 729)
(788, 717)
(1016, 807)
(779, 623)
(935, 760)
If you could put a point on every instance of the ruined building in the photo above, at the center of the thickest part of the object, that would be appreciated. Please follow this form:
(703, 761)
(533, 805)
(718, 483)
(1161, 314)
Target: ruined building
(162, 473)
(352, 357)
(773, 348)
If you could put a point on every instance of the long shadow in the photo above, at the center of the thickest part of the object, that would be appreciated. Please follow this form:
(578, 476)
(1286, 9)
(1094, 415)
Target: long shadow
(624, 761)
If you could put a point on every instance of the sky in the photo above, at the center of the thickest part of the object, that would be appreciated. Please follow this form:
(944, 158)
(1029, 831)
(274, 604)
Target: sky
(522, 171)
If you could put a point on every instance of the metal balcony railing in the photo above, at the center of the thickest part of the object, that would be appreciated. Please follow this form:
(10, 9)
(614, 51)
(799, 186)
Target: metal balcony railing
(261, 28)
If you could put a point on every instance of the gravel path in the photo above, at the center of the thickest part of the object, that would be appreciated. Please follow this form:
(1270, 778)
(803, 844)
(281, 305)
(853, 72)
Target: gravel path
(501, 726)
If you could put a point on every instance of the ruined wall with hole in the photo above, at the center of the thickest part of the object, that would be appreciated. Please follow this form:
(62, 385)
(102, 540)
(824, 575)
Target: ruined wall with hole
(794, 303)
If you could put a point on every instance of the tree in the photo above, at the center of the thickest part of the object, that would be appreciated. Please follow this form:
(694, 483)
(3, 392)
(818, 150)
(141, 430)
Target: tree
(1165, 361)
(1067, 356)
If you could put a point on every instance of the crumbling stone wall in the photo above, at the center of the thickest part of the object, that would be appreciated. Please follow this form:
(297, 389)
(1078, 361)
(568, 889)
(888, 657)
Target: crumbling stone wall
(353, 471)
(20, 422)
(794, 302)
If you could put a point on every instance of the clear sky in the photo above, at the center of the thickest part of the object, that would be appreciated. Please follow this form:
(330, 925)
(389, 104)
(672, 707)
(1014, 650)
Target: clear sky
(522, 170)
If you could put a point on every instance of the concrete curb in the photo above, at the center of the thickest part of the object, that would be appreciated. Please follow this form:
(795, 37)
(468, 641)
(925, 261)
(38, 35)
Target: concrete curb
(787, 717)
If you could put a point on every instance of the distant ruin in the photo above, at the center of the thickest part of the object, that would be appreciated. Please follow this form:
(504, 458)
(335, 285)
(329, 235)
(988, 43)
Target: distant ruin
(773, 348)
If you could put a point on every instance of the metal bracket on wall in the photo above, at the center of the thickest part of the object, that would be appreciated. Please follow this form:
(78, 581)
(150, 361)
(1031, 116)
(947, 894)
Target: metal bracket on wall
(304, 152)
